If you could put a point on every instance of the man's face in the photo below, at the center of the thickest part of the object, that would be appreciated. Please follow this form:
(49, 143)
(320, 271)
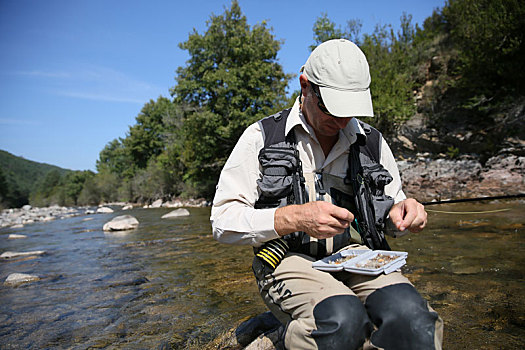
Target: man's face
(322, 123)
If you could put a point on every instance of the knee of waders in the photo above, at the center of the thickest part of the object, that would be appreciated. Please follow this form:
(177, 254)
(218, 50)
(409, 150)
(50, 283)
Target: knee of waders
(402, 318)
(342, 323)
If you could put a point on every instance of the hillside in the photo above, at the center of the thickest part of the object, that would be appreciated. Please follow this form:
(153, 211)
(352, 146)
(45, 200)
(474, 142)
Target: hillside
(19, 177)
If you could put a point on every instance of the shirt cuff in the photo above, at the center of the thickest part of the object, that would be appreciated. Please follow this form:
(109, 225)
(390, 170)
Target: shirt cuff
(263, 221)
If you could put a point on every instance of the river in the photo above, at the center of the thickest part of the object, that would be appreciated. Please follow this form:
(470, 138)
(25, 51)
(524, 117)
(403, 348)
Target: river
(169, 284)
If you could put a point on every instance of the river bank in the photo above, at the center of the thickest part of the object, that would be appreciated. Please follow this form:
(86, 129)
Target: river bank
(18, 217)
(428, 179)
(424, 178)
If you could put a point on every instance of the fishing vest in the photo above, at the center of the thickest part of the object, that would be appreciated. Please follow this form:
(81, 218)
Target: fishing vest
(361, 191)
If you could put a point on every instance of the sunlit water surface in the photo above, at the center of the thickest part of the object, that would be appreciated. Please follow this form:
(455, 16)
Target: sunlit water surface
(169, 284)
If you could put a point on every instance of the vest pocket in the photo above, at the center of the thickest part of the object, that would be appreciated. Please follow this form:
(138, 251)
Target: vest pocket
(376, 178)
(278, 166)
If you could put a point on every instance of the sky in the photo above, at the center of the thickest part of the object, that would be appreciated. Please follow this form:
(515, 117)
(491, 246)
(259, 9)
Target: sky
(75, 74)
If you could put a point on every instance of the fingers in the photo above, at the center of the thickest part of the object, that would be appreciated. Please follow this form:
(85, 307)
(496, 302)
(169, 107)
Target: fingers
(341, 213)
(420, 220)
(409, 214)
(324, 220)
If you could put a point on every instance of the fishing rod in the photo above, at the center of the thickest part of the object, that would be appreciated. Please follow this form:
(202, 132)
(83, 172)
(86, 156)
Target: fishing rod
(447, 201)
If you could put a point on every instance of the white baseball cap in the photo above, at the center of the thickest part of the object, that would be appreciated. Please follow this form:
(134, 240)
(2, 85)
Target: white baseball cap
(340, 69)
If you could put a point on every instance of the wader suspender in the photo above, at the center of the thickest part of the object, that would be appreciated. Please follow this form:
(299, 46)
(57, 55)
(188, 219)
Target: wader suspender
(368, 179)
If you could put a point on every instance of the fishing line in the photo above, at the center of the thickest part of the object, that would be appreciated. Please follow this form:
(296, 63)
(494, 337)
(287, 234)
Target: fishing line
(519, 195)
(467, 212)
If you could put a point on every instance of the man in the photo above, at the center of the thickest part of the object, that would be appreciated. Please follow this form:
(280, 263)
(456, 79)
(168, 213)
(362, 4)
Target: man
(289, 190)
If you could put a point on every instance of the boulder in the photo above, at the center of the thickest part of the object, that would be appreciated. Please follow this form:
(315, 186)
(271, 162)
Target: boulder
(176, 213)
(121, 223)
(172, 204)
(156, 204)
(127, 207)
(104, 210)
(16, 236)
(17, 278)
(10, 255)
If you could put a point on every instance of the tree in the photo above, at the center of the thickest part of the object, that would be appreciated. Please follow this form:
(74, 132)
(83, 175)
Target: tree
(490, 38)
(72, 184)
(324, 29)
(116, 159)
(392, 62)
(145, 139)
(232, 79)
(90, 194)
(3, 190)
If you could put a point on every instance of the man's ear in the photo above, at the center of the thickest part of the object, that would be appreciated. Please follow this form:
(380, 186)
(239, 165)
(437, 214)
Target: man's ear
(303, 81)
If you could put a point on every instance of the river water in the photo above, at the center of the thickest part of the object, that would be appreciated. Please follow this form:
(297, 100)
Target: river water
(169, 284)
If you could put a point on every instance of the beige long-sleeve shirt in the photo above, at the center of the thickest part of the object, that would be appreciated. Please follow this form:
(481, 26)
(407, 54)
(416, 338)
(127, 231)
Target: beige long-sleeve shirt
(233, 216)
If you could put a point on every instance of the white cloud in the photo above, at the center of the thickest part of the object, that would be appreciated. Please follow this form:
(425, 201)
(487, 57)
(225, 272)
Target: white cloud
(101, 97)
(43, 74)
(95, 83)
(8, 121)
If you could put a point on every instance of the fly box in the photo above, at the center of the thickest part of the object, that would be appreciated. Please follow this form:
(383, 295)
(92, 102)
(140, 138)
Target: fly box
(364, 262)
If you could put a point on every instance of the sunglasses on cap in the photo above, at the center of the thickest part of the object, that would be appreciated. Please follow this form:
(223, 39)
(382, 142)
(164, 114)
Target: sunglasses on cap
(320, 102)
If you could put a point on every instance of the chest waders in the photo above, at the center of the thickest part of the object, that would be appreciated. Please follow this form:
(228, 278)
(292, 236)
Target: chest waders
(283, 183)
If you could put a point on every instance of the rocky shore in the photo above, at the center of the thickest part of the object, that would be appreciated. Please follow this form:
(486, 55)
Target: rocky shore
(424, 178)
(18, 217)
(429, 179)
(27, 215)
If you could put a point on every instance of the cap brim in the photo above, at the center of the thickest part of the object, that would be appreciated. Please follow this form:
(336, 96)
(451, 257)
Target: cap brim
(347, 103)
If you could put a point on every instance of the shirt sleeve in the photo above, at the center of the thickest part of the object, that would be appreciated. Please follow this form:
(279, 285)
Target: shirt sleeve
(394, 188)
(233, 218)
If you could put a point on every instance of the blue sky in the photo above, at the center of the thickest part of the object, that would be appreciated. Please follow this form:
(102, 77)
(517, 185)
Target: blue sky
(75, 74)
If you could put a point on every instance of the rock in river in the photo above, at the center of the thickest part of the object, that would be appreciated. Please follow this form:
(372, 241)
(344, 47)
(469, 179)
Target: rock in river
(121, 223)
(10, 255)
(17, 278)
(104, 210)
(16, 236)
(176, 213)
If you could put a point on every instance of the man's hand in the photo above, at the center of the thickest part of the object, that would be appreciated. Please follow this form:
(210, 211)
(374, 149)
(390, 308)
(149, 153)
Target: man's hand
(318, 219)
(409, 214)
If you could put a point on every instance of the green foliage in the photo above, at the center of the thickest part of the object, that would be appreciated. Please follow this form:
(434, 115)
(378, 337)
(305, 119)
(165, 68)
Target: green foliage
(21, 178)
(90, 194)
(107, 185)
(489, 36)
(145, 139)
(152, 183)
(324, 29)
(116, 159)
(3, 190)
(72, 184)
(393, 68)
(58, 189)
(231, 80)
(452, 152)
(392, 60)
(124, 163)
